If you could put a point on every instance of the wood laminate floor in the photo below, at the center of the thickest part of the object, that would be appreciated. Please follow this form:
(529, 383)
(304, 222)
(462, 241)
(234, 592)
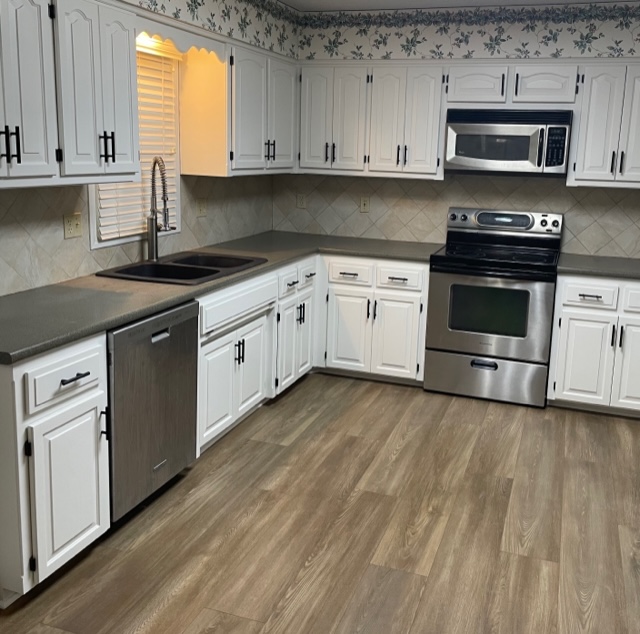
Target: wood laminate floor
(351, 506)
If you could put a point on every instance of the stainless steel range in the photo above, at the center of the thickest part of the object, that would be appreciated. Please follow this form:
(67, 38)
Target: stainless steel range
(490, 310)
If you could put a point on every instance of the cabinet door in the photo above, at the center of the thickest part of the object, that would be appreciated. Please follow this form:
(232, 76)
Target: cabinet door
(387, 119)
(548, 83)
(470, 84)
(394, 347)
(288, 312)
(349, 329)
(626, 386)
(249, 94)
(69, 483)
(629, 164)
(349, 112)
(316, 123)
(599, 131)
(119, 89)
(585, 357)
(252, 372)
(422, 123)
(306, 332)
(28, 87)
(80, 81)
(282, 113)
(216, 394)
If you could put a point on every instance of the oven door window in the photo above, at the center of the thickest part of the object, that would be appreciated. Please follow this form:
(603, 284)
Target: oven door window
(493, 147)
(489, 310)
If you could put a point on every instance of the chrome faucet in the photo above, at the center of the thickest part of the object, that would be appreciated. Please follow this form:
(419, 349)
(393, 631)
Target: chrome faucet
(153, 225)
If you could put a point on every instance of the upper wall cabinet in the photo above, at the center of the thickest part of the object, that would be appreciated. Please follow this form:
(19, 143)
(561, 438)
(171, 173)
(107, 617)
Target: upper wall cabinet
(264, 112)
(608, 144)
(552, 83)
(333, 117)
(98, 98)
(405, 119)
(475, 84)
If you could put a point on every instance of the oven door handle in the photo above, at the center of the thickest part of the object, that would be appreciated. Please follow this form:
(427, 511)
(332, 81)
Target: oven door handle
(484, 365)
(541, 148)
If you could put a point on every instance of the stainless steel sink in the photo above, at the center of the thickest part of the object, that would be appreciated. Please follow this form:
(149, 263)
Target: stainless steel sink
(184, 268)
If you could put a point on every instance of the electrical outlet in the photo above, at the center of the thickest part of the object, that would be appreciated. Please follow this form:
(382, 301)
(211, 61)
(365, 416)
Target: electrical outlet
(72, 226)
(301, 201)
(201, 208)
(365, 205)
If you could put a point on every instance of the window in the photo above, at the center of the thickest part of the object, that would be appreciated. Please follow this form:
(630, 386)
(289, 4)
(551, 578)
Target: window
(119, 210)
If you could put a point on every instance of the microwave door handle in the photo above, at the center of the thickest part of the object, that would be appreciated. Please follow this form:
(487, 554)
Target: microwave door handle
(541, 148)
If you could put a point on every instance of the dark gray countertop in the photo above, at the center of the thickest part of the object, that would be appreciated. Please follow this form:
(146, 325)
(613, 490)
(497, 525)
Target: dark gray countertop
(38, 320)
(596, 265)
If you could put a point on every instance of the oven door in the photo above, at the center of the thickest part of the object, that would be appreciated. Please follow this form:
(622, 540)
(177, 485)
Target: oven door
(498, 147)
(490, 316)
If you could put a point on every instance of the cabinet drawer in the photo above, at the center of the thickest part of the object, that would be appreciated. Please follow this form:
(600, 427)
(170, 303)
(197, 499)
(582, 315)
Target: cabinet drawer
(345, 272)
(307, 274)
(288, 282)
(591, 295)
(631, 299)
(399, 277)
(58, 380)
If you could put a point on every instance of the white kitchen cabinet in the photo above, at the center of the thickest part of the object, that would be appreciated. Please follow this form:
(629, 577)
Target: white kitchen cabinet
(629, 164)
(545, 83)
(96, 94)
(481, 84)
(288, 338)
(333, 117)
(306, 332)
(626, 374)
(69, 482)
(28, 126)
(283, 81)
(251, 384)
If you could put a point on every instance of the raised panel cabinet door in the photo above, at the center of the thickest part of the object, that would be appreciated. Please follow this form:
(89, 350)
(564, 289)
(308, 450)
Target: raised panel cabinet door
(585, 357)
(28, 87)
(469, 84)
(306, 333)
(249, 98)
(629, 163)
(282, 114)
(316, 118)
(599, 130)
(119, 89)
(288, 314)
(216, 394)
(349, 329)
(422, 123)
(80, 87)
(626, 376)
(387, 138)
(252, 371)
(349, 114)
(394, 348)
(69, 482)
(545, 83)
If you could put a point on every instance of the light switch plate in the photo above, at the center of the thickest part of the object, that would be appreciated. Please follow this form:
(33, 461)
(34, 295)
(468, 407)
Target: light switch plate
(365, 205)
(72, 226)
(301, 201)
(201, 208)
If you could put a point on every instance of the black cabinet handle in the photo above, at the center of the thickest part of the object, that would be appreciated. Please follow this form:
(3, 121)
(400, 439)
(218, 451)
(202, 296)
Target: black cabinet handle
(541, 147)
(7, 144)
(347, 274)
(243, 349)
(299, 317)
(393, 278)
(73, 379)
(502, 89)
(304, 313)
(613, 336)
(484, 365)
(613, 162)
(106, 432)
(103, 139)
(368, 308)
(375, 309)
(621, 335)
(273, 156)
(238, 358)
(517, 82)
(308, 276)
(268, 154)
(621, 162)
(398, 157)
(333, 153)
(113, 147)
(589, 296)
(406, 149)
(18, 154)
(326, 152)
(292, 284)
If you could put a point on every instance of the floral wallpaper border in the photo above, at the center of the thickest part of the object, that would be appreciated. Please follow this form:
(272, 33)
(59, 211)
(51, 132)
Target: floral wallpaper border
(584, 30)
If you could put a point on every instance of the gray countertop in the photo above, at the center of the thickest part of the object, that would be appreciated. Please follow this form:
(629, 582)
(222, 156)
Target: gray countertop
(38, 320)
(600, 266)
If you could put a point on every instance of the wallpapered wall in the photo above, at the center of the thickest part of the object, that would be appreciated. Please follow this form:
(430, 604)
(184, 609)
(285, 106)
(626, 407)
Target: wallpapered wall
(546, 32)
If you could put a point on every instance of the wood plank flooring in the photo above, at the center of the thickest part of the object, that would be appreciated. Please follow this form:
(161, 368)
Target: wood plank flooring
(349, 506)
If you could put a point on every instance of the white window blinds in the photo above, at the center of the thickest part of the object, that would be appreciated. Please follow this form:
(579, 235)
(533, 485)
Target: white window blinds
(122, 208)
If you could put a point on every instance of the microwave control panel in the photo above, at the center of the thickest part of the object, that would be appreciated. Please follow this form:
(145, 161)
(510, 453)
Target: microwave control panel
(556, 146)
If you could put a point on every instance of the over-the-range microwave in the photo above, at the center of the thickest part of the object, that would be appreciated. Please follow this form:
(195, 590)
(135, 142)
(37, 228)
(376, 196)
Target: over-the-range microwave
(531, 141)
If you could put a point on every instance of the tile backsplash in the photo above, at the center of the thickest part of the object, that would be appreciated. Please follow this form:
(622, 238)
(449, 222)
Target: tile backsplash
(597, 220)
(33, 251)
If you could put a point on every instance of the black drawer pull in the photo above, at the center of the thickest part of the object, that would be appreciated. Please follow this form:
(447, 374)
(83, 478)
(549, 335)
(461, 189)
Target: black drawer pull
(597, 298)
(621, 335)
(613, 163)
(292, 284)
(326, 152)
(398, 157)
(113, 147)
(368, 308)
(18, 154)
(621, 162)
(613, 336)
(347, 274)
(273, 156)
(375, 309)
(333, 153)
(393, 278)
(7, 144)
(484, 365)
(406, 150)
(308, 276)
(268, 146)
(103, 138)
(77, 377)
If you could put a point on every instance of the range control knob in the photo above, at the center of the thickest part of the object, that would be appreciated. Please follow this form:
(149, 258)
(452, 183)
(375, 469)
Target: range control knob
(463, 217)
(453, 217)
(543, 223)
(555, 223)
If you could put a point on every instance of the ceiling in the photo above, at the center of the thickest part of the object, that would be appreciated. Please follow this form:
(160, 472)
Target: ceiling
(379, 5)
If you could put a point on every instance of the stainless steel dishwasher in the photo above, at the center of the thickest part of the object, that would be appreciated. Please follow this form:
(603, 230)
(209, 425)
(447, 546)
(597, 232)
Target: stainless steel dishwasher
(153, 365)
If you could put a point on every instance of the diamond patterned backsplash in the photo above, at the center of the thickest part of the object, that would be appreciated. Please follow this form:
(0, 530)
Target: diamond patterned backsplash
(33, 251)
(597, 221)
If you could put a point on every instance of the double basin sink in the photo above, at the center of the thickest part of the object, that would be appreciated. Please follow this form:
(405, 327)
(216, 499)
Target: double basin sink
(185, 268)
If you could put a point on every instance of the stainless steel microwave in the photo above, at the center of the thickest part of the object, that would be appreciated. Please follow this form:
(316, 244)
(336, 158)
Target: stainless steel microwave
(532, 141)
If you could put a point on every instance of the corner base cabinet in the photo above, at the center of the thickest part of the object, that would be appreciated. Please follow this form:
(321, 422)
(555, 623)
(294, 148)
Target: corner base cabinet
(54, 465)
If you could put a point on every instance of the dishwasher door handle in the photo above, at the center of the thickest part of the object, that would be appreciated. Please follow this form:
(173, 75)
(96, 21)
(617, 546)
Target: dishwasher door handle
(161, 335)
